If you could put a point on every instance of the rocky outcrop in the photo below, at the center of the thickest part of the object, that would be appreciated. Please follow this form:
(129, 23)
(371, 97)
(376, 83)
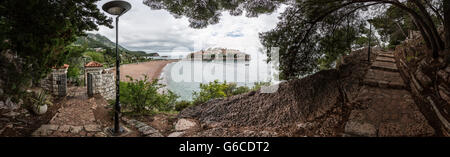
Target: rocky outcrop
(428, 80)
(319, 100)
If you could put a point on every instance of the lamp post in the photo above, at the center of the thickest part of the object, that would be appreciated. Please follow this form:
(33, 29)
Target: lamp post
(117, 8)
(370, 36)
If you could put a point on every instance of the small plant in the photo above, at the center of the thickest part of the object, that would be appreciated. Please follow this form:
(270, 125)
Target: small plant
(41, 99)
(40, 102)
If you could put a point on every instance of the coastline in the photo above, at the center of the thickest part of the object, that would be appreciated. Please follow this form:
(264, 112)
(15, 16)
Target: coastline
(153, 69)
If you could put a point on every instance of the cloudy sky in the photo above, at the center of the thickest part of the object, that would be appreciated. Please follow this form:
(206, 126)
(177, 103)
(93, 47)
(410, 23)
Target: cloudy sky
(158, 31)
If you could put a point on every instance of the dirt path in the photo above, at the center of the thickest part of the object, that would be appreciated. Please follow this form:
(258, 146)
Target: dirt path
(152, 69)
(384, 107)
(79, 116)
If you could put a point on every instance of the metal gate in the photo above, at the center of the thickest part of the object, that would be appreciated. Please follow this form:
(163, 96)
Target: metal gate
(90, 90)
(62, 85)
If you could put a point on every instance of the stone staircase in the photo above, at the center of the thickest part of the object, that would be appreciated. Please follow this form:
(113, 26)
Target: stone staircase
(383, 107)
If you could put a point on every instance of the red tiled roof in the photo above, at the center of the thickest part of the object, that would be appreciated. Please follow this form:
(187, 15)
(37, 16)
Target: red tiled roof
(93, 64)
(65, 66)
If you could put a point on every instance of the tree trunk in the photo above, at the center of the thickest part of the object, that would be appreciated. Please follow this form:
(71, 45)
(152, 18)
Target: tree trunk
(431, 26)
(447, 23)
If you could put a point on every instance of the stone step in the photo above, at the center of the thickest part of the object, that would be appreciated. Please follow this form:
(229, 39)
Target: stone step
(386, 113)
(384, 79)
(385, 59)
(386, 66)
(389, 55)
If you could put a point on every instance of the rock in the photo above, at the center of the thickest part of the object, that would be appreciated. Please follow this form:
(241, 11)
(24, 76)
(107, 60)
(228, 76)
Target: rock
(75, 129)
(443, 74)
(185, 124)
(92, 128)
(64, 128)
(100, 134)
(424, 79)
(140, 124)
(1, 91)
(444, 93)
(45, 130)
(11, 114)
(144, 128)
(359, 129)
(50, 127)
(150, 131)
(176, 134)
(155, 135)
(11, 105)
(2, 105)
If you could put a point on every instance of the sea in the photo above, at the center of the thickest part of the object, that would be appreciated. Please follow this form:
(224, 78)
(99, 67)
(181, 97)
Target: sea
(185, 76)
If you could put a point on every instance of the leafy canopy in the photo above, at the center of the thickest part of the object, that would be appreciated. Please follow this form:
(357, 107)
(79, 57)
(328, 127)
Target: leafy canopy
(38, 31)
(310, 32)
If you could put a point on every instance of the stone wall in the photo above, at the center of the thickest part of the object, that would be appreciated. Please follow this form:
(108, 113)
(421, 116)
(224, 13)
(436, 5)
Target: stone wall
(103, 82)
(108, 90)
(428, 79)
(53, 82)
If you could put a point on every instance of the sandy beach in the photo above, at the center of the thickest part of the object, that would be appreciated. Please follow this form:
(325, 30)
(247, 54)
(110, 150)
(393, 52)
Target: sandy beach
(152, 69)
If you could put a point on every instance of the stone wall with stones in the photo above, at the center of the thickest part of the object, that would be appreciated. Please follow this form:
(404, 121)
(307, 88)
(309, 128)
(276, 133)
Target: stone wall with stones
(108, 90)
(50, 83)
(428, 79)
(103, 82)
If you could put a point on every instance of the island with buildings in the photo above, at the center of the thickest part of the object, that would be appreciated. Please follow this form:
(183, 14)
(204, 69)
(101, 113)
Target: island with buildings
(219, 54)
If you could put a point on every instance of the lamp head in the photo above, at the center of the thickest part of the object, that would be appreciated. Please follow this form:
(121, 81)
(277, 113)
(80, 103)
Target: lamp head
(116, 7)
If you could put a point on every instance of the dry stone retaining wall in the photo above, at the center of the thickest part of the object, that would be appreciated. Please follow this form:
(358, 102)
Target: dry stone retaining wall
(428, 79)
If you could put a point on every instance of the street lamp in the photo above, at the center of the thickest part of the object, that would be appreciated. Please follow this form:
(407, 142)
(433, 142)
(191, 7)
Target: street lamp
(117, 8)
(370, 36)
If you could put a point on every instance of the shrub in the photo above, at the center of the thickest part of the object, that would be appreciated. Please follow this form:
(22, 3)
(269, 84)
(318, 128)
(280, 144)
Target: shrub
(95, 56)
(212, 90)
(240, 90)
(258, 85)
(215, 90)
(141, 97)
(181, 105)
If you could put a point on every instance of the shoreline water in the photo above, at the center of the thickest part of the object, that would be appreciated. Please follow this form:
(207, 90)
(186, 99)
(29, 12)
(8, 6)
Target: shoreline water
(153, 69)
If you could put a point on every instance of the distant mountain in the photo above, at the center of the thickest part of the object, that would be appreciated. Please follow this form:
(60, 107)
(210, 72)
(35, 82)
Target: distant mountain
(99, 41)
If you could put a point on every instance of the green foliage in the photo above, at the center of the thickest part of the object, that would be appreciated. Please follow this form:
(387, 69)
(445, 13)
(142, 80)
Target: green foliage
(393, 26)
(181, 105)
(141, 97)
(95, 56)
(40, 99)
(38, 31)
(258, 85)
(309, 30)
(215, 90)
(76, 63)
(212, 90)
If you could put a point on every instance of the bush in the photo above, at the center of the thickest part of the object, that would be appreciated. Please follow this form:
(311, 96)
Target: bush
(240, 90)
(95, 56)
(212, 90)
(215, 90)
(181, 105)
(258, 85)
(141, 97)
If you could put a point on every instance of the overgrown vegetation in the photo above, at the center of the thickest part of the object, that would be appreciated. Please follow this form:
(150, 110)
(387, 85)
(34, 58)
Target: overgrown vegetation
(215, 90)
(35, 34)
(141, 97)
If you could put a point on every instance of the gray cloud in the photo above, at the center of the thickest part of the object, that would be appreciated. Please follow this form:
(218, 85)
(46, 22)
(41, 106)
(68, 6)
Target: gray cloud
(143, 29)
